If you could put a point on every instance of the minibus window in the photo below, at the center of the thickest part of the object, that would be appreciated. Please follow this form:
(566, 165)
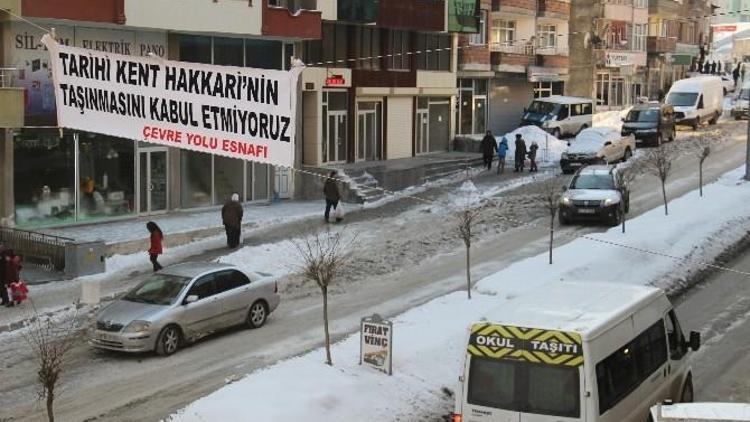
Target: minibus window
(677, 348)
(563, 112)
(524, 387)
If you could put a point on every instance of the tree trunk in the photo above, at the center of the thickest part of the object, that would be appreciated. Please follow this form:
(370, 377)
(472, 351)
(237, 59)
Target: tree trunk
(700, 178)
(468, 270)
(664, 195)
(551, 236)
(50, 401)
(623, 222)
(329, 361)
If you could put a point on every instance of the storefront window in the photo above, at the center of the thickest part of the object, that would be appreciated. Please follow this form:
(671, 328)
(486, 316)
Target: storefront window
(228, 51)
(466, 102)
(195, 174)
(44, 173)
(263, 54)
(228, 178)
(106, 176)
(472, 106)
(195, 49)
(260, 184)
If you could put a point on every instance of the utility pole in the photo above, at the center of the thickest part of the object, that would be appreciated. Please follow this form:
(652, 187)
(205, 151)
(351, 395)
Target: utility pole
(747, 149)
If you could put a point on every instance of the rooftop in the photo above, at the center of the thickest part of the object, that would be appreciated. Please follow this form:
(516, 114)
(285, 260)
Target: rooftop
(583, 307)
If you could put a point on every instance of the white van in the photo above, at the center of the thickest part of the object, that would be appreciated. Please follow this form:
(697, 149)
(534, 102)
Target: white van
(697, 100)
(574, 351)
(559, 115)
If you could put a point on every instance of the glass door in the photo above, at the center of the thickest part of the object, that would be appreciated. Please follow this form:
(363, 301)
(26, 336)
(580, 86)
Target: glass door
(370, 145)
(336, 136)
(152, 184)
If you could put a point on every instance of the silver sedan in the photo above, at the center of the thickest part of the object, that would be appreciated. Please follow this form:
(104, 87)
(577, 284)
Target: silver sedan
(182, 303)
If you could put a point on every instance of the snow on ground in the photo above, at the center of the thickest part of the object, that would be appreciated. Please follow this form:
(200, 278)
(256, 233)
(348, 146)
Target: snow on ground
(611, 119)
(550, 148)
(429, 340)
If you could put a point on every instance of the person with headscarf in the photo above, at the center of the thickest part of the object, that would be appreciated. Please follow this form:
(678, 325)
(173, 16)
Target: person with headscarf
(231, 216)
(155, 249)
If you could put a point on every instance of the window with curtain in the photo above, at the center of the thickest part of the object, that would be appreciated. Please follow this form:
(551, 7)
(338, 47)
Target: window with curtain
(504, 32)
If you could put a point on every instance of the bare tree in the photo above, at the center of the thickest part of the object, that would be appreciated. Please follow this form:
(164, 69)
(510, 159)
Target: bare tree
(323, 256)
(624, 177)
(658, 162)
(51, 342)
(466, 218)
(703, 151)
(551, 192)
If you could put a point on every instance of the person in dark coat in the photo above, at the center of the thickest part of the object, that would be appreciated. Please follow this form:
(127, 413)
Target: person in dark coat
(157, 237)
(532, 157)
(713, 67)
(231, 217)
(3, 279)
(488, 146)
(706, 67)
(736, 74)
(520, 154)
(332, 195)
(718, 67)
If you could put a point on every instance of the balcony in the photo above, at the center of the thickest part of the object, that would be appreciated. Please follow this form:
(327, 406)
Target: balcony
(106, 11)
(553, 9)
(12, 99)
(515, 7)
(417, 15)
(558, 50)
(507, 57)
(292, 19)
(664, 9)
(661, 45)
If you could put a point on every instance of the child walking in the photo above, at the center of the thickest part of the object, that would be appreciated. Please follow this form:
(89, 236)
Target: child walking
(156, 244)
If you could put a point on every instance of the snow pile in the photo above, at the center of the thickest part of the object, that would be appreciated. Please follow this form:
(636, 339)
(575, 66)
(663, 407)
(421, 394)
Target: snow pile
(277, 259)
(429, 341)
(611, 119)
(550, 148)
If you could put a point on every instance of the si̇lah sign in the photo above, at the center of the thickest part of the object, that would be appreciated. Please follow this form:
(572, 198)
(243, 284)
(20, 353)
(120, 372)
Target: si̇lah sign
(231, 111)
(376, 344)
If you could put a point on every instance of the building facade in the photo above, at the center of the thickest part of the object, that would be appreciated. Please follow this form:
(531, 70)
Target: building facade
(520, 52)
(52, 176)
(675, 45)
(608, 51)
(381, 82)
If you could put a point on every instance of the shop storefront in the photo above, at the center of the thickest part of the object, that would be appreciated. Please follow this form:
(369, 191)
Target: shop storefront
(621, 81)
(472, 107)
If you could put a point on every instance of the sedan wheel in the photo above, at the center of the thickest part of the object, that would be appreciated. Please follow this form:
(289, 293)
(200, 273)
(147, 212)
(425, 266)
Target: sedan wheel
(168, 341)
(257, 315)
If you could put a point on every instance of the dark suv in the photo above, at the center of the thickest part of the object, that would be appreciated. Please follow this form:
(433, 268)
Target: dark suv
(650, 123)
(593, 195)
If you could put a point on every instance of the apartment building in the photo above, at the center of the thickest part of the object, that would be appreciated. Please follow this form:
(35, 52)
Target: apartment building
(52, 176)
(520, 52)
(731, 11)
(608, 51)
(677, 34)
(381, 83)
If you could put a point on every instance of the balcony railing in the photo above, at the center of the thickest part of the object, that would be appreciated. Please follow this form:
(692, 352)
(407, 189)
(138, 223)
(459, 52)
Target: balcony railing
(509, 47)
(557, 50)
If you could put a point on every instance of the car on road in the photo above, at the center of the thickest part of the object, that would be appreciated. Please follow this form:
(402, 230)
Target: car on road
(593, 194)
(697, 100)
(568, 351)
(597, 145)
(650, 123)
(559, 115)
(700, 412)
(183, 303)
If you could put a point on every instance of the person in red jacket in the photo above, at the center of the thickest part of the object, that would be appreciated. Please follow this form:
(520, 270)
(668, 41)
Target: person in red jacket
(156, 248)
(19, 292)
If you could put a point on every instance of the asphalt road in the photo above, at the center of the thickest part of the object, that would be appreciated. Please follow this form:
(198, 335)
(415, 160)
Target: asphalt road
(114, 387)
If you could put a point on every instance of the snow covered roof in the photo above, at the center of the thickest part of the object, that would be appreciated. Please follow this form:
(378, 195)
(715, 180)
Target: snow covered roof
(583, 307)
(561, 99)
(706, 411)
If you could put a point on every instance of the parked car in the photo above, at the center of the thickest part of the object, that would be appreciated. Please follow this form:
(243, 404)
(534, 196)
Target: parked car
(700, 412)
(650, 123)
(559, 115)
(727, 82)
(593, 195)
(697, 100)
(597, 145)
(742, 102)
(182, 303)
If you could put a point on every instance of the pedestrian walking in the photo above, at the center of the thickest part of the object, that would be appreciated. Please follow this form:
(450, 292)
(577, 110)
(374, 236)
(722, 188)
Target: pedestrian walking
(157, 237)
(713, 67)
(532, 157)
(231, 217)
(520, 154)
(3, 279)
(487, 146)
(332, 195)
(12, 273)
(502, 151)
(736, 75)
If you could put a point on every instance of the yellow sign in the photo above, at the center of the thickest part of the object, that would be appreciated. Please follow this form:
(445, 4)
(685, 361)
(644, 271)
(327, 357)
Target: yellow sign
(534, 345)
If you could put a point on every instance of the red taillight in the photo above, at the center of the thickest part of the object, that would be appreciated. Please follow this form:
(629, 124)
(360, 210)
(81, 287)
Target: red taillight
(276, 290)
(456, 417)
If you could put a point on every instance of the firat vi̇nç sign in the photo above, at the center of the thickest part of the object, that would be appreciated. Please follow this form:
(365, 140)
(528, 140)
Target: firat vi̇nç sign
(376, 344)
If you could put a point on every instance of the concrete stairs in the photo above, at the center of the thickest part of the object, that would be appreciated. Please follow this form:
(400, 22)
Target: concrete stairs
(363, 187)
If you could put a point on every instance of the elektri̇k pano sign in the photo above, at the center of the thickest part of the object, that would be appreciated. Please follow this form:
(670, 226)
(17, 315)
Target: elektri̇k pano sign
(231, 111)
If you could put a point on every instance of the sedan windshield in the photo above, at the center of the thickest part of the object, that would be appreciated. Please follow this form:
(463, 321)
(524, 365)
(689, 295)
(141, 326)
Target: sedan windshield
(684, 99)
(525, 387)
(650, 115)
(542, 107)
(159, 289)
(593, 181)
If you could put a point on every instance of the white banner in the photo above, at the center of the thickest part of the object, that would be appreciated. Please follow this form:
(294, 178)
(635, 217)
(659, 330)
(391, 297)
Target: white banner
(232, 111)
